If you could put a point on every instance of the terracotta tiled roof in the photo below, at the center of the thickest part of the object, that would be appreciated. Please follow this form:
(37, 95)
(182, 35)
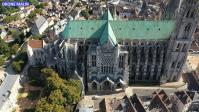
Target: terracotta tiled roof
(35, 43)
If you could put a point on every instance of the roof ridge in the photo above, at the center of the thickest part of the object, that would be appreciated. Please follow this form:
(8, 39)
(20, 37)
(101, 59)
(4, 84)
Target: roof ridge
(107, 15)
(108, 35)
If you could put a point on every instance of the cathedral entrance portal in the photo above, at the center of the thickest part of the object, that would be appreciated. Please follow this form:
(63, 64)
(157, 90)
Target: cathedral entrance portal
(106, 86)
(94, 86)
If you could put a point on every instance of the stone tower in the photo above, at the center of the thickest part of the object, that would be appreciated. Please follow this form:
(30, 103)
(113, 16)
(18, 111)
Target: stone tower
(181, 39)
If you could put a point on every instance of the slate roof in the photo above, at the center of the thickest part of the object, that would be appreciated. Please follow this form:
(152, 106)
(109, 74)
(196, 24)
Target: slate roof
(40, 21)
(7, 86)
(149, 30)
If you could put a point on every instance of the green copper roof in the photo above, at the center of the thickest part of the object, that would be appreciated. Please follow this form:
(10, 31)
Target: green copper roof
(149, 30)
(108, 36)
(84, 29)
(142, 29)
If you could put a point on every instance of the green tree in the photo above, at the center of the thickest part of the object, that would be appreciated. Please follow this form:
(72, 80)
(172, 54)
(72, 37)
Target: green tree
(85, 14)
(71, 94)
(15, 33)
(59, 93)
(8, 10)
(14, 48)
(17, 65)
(56, 97)
(54, 82)
(43, 106)
(72, 90)
(1, 61)
(41, 5)
(4, 48)
(34, 2)
(47, 72)
(59, 108)
(36, 37)
(9, 19)
(33, 14)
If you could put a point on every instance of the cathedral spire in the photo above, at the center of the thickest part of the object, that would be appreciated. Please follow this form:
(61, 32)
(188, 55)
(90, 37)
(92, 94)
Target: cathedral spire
(108, 36)
(107, 15)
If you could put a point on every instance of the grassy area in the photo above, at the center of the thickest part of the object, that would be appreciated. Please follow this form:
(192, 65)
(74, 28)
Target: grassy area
(21, 93)
(33, 94)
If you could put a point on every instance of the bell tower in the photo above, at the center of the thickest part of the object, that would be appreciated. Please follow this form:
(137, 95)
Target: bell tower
(181, 39)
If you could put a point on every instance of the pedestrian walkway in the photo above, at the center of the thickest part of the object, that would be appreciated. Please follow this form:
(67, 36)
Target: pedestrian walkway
(193, 61)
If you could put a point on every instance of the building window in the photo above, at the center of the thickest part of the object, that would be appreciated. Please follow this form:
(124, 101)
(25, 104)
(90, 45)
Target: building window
(158, 55)
(93, 60)
(107, 69)
(150, 55)
(178, 65)
(192, 15)
(155, 73)
(102, 69)
(184, 48)
(178, 48)
(142, 57)
(148, 72)
(187, 28)
(121, 61)
(94, 86)
(188, 14)
(173, 65)
(134, 55)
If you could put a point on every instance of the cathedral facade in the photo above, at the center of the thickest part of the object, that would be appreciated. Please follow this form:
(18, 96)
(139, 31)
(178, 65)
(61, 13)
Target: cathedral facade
(110, 53)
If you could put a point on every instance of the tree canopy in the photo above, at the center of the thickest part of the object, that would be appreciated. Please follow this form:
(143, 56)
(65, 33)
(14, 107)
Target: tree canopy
(1, 60)
(8, 10)
(4, 48)
(85, 13)
(19, 62)
(58, 92)
(14, 48)
(34, 13)
(11, 18)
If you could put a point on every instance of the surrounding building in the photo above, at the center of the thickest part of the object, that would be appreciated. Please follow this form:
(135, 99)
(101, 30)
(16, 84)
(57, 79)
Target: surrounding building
(124, 104)
(3, 33)
(36, 52)
(182, 99)
(40, 25)
(9, 92)
(160, 102)
(110, 53)
(194, 106)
